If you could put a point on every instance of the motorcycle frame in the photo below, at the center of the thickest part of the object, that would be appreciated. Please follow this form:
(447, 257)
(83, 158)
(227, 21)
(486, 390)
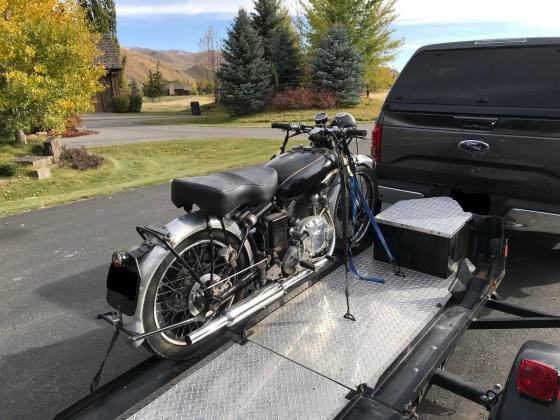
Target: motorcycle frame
(180, 228)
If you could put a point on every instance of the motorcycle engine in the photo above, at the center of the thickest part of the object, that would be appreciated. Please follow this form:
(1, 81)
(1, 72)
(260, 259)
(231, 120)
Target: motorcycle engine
(315, 234)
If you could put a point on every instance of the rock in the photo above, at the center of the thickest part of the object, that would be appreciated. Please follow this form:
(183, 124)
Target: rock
(36, 161)
(53, 147)
(41, 173)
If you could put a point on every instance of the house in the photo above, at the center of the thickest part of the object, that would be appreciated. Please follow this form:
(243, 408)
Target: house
(175, 89)
(111, 60)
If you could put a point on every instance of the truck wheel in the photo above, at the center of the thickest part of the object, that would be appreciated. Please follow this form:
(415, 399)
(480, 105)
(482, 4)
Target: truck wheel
(173, 295)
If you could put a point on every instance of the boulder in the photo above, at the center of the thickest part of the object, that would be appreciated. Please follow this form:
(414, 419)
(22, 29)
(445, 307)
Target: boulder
(53, 147)
(36, 162)
(41, 173)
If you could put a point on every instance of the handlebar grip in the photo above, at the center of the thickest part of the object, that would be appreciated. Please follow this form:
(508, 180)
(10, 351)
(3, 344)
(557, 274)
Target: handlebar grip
(356, 133)
(281, 126)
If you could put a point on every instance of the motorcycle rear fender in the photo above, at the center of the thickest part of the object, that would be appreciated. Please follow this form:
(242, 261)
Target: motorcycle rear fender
(180, 228)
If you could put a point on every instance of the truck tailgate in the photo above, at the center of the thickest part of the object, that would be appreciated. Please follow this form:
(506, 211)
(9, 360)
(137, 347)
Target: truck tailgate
(502, 155)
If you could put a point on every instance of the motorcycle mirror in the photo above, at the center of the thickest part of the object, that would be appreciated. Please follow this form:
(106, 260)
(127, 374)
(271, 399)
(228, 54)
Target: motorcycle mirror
(321, 118)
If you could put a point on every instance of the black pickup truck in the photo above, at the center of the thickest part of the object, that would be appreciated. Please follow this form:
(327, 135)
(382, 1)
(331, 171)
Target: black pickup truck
(478, 121)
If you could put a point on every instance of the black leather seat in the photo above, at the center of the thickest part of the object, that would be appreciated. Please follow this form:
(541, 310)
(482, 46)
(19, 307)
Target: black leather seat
(221, 193)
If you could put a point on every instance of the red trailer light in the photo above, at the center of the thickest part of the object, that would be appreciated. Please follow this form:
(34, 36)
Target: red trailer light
(538, 380)
(376, 142)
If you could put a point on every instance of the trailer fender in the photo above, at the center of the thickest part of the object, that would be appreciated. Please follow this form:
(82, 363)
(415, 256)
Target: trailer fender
(515, 405)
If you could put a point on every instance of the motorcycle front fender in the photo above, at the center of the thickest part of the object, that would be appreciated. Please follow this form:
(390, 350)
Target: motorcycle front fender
(180, 228)
(366, 161)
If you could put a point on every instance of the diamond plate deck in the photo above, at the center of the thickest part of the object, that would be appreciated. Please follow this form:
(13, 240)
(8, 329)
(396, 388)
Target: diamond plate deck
(249, 382)
(302, 359)
(311, 331)
(441, 216)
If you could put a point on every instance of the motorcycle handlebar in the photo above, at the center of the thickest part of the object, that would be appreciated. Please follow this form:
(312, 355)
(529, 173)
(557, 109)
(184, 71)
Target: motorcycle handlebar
(281, 126)
(352, 132)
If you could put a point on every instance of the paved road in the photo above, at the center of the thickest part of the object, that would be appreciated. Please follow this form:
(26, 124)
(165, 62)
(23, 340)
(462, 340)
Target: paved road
(52, 277)
(124, 129)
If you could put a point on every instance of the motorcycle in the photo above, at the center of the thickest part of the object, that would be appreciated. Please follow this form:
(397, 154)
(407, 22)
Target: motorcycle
(248, 237)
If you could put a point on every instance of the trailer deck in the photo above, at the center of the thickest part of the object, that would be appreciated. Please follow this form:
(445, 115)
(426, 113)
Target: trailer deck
(304, 359)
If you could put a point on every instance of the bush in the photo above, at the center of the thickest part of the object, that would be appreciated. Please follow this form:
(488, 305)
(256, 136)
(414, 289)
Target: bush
(135, 103)
(80, 159)
(73, 122)
(302, 98)
(8, 169)
(121, 103)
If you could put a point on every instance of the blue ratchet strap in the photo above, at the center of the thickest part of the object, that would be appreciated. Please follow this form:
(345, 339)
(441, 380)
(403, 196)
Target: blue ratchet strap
(355, 192)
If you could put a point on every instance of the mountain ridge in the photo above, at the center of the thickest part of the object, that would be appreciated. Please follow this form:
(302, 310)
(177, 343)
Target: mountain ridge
(175, 65)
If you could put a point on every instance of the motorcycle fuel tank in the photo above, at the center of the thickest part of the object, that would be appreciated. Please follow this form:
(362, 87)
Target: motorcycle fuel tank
(302, 170)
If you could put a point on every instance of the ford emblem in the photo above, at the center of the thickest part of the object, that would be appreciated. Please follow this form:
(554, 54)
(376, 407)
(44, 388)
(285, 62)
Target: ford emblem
(474, 147)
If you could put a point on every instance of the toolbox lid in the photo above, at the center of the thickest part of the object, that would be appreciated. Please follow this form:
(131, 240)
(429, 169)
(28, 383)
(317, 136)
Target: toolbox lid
(441, 216)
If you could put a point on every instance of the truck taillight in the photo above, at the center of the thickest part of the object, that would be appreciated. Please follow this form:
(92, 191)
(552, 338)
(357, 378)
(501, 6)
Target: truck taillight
(376, 142)
(538, 380)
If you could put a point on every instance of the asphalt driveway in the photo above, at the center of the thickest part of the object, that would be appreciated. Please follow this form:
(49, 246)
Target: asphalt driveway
(53, 268)
(113, 129)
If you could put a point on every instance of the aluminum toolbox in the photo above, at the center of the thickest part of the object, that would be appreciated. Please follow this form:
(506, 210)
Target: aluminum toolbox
(427, 235)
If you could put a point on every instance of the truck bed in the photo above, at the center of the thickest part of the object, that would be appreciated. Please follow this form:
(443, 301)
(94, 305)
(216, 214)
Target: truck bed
(304, 359)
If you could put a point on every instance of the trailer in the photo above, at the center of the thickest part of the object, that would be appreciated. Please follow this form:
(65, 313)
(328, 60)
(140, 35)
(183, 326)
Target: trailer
(301, 358)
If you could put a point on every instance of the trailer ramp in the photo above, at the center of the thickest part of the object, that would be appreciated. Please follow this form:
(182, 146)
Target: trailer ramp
(303, 359)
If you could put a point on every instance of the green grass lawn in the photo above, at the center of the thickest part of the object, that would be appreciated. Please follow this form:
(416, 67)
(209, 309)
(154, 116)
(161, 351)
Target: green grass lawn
(366, 110)
(173, 104)
(127, 167)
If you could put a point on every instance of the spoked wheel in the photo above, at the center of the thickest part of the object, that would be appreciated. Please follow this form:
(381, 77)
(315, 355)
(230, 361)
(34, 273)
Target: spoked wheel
(361, 228)
(174, 296)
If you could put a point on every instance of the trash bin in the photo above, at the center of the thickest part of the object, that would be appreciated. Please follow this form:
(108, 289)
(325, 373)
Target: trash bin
(195, 108)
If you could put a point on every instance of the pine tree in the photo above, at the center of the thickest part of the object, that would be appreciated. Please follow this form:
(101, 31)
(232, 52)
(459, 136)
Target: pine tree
(152, 88)
(368, 24)
(286, 61)
(338, 68)
(267, 18)
(245, 74)
(134, 89)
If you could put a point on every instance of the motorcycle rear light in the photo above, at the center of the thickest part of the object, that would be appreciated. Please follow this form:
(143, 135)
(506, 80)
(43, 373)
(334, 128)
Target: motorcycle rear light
(538, 380)
(376, 142)
(119, 259)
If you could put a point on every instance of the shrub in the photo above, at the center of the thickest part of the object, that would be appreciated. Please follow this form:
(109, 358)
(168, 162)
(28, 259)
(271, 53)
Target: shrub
(302, 98)
(80, 159)
(8, 169)
(73, 122)
(121, 103)
(135, 103)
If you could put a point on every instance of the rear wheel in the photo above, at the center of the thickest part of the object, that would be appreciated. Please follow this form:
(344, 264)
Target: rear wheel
(173, 295)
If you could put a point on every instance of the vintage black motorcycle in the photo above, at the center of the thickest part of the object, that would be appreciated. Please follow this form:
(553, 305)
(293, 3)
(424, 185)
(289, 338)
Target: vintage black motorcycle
(248, 237)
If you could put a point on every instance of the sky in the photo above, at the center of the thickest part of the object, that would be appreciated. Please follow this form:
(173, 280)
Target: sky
(179, 24)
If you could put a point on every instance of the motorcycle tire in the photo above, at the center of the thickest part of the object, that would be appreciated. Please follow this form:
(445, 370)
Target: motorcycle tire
(162, 345)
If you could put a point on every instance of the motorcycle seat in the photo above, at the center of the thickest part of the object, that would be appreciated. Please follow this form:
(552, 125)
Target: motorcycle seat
(220, 193)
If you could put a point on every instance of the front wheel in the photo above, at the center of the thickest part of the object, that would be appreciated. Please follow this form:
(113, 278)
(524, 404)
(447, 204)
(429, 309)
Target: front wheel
(173, 295)
(361, 229)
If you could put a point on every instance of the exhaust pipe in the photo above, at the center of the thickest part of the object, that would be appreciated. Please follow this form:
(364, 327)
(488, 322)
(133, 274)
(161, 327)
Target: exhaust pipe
(249, 306)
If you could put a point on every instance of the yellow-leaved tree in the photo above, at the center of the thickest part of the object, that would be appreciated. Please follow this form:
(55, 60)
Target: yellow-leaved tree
(49, 64)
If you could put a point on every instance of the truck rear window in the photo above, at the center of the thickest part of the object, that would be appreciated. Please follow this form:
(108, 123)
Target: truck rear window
(527, 77)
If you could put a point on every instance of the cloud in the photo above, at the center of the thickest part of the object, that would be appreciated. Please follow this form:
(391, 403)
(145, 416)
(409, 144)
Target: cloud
(188, 7)
(538, 13)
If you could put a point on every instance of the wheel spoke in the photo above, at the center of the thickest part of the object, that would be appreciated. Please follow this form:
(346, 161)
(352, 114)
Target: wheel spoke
(174, 293)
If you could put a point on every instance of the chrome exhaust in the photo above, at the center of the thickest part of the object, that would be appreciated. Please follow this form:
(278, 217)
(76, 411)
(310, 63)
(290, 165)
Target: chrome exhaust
(250, 305)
